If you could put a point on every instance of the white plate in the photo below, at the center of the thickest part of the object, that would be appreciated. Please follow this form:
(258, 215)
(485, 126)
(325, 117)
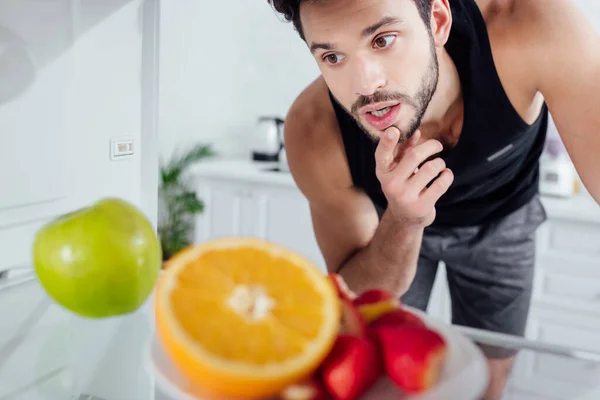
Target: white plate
(464, 376)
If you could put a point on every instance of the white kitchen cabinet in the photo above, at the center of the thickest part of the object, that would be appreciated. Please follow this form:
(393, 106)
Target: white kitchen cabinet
(279, 214)
(229, 210)
(566, 298)
(284, 218)
(539, 373)
(565, 307)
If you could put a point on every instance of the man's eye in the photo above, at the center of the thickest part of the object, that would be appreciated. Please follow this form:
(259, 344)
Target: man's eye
(384, 41)
(333, 58)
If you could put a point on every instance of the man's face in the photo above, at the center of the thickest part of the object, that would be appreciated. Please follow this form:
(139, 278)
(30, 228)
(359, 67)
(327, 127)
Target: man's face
(377, 58)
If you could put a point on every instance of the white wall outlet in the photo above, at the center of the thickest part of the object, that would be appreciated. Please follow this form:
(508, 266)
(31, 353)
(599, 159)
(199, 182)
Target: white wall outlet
(122, 148)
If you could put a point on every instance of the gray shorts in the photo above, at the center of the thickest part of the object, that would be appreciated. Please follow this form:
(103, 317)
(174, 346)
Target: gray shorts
(489, 269)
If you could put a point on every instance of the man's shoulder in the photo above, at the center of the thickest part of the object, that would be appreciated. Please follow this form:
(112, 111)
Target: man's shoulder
(313, 142)
(311, 126)
(522, 33)
(521, 21)
(312, 111)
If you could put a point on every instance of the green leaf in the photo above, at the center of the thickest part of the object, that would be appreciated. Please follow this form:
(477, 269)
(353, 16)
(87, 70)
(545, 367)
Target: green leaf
(175, 238)
(180, 203)
(195, 154)
(171, 173)
(189, 203)
(169, 176)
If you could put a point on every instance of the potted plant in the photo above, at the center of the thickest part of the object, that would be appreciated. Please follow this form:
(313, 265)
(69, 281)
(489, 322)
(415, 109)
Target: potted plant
(178, 203)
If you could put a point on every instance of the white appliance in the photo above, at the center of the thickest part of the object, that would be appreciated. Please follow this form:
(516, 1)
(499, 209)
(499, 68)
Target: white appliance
(81, 85)
(558, 177)
(283, 162)
(78, 122)
(267, 141)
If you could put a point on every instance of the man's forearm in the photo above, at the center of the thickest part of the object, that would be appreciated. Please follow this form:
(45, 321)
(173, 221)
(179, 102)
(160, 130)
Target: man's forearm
(389, 261)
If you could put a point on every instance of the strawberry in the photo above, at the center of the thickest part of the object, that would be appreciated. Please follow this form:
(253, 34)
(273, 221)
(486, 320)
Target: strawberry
(351, 368)
(373, 296)
(310, 389)
(413, 356)
(374, 303)
(397, 317)
(343, 290)
(353, 322)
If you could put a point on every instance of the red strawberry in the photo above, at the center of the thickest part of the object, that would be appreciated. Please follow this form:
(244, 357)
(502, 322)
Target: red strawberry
(352, 367)
(373, 296)
(353, 322)
(413, 356)
(374, 303)
(310, 389)
(343, 290)
(397, 317)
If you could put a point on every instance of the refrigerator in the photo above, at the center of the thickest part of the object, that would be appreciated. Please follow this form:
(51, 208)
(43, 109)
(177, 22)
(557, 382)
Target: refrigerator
(78, 122)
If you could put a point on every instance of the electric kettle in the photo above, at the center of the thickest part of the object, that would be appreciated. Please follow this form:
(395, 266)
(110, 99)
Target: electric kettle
(268, 139)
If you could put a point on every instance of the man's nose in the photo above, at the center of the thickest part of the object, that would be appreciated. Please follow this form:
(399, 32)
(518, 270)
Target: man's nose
(368, 77)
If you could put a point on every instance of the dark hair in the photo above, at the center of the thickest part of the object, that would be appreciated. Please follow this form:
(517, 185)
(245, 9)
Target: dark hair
(290, 9)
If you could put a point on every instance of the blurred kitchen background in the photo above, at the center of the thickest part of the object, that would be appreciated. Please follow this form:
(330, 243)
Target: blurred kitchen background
(114, 97)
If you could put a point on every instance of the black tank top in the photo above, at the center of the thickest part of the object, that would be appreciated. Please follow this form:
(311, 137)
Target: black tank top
(496, 160)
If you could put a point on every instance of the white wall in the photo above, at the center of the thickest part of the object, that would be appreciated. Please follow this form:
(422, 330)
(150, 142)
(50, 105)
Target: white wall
(591, 9)
(224, 63)
(54, 151)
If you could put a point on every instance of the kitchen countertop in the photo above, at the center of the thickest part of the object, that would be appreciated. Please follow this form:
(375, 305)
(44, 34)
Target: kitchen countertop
(580, 208)
(47, 353)
(243, 170)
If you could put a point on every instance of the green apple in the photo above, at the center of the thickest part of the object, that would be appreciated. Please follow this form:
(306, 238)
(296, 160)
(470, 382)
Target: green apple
(98, 261)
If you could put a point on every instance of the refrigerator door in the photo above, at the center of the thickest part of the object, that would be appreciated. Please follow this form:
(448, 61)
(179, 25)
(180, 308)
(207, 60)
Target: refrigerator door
(77, 79)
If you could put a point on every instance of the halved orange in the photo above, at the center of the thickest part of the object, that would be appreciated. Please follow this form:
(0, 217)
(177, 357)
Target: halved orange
(243, 317)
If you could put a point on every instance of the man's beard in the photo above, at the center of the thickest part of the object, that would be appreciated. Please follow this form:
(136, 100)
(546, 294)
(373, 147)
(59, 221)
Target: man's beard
(419, 102)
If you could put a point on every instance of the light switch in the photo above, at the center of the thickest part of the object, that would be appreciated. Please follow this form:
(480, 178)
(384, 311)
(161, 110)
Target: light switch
(120, 148)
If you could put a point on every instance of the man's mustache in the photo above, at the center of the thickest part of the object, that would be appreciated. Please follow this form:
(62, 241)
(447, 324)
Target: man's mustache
(380, 97)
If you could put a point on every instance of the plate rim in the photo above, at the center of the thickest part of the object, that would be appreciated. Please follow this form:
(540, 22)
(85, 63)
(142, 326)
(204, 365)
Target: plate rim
(478, 363)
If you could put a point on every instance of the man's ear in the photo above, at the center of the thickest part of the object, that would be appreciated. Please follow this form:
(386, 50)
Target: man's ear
(441, 21)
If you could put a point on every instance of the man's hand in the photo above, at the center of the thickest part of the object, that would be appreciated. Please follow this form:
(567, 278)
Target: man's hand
(406, 183)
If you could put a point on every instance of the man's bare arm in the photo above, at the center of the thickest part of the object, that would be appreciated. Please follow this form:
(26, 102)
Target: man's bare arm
(411, 207)
(388, 262)
(563, 54)
(366, 252)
